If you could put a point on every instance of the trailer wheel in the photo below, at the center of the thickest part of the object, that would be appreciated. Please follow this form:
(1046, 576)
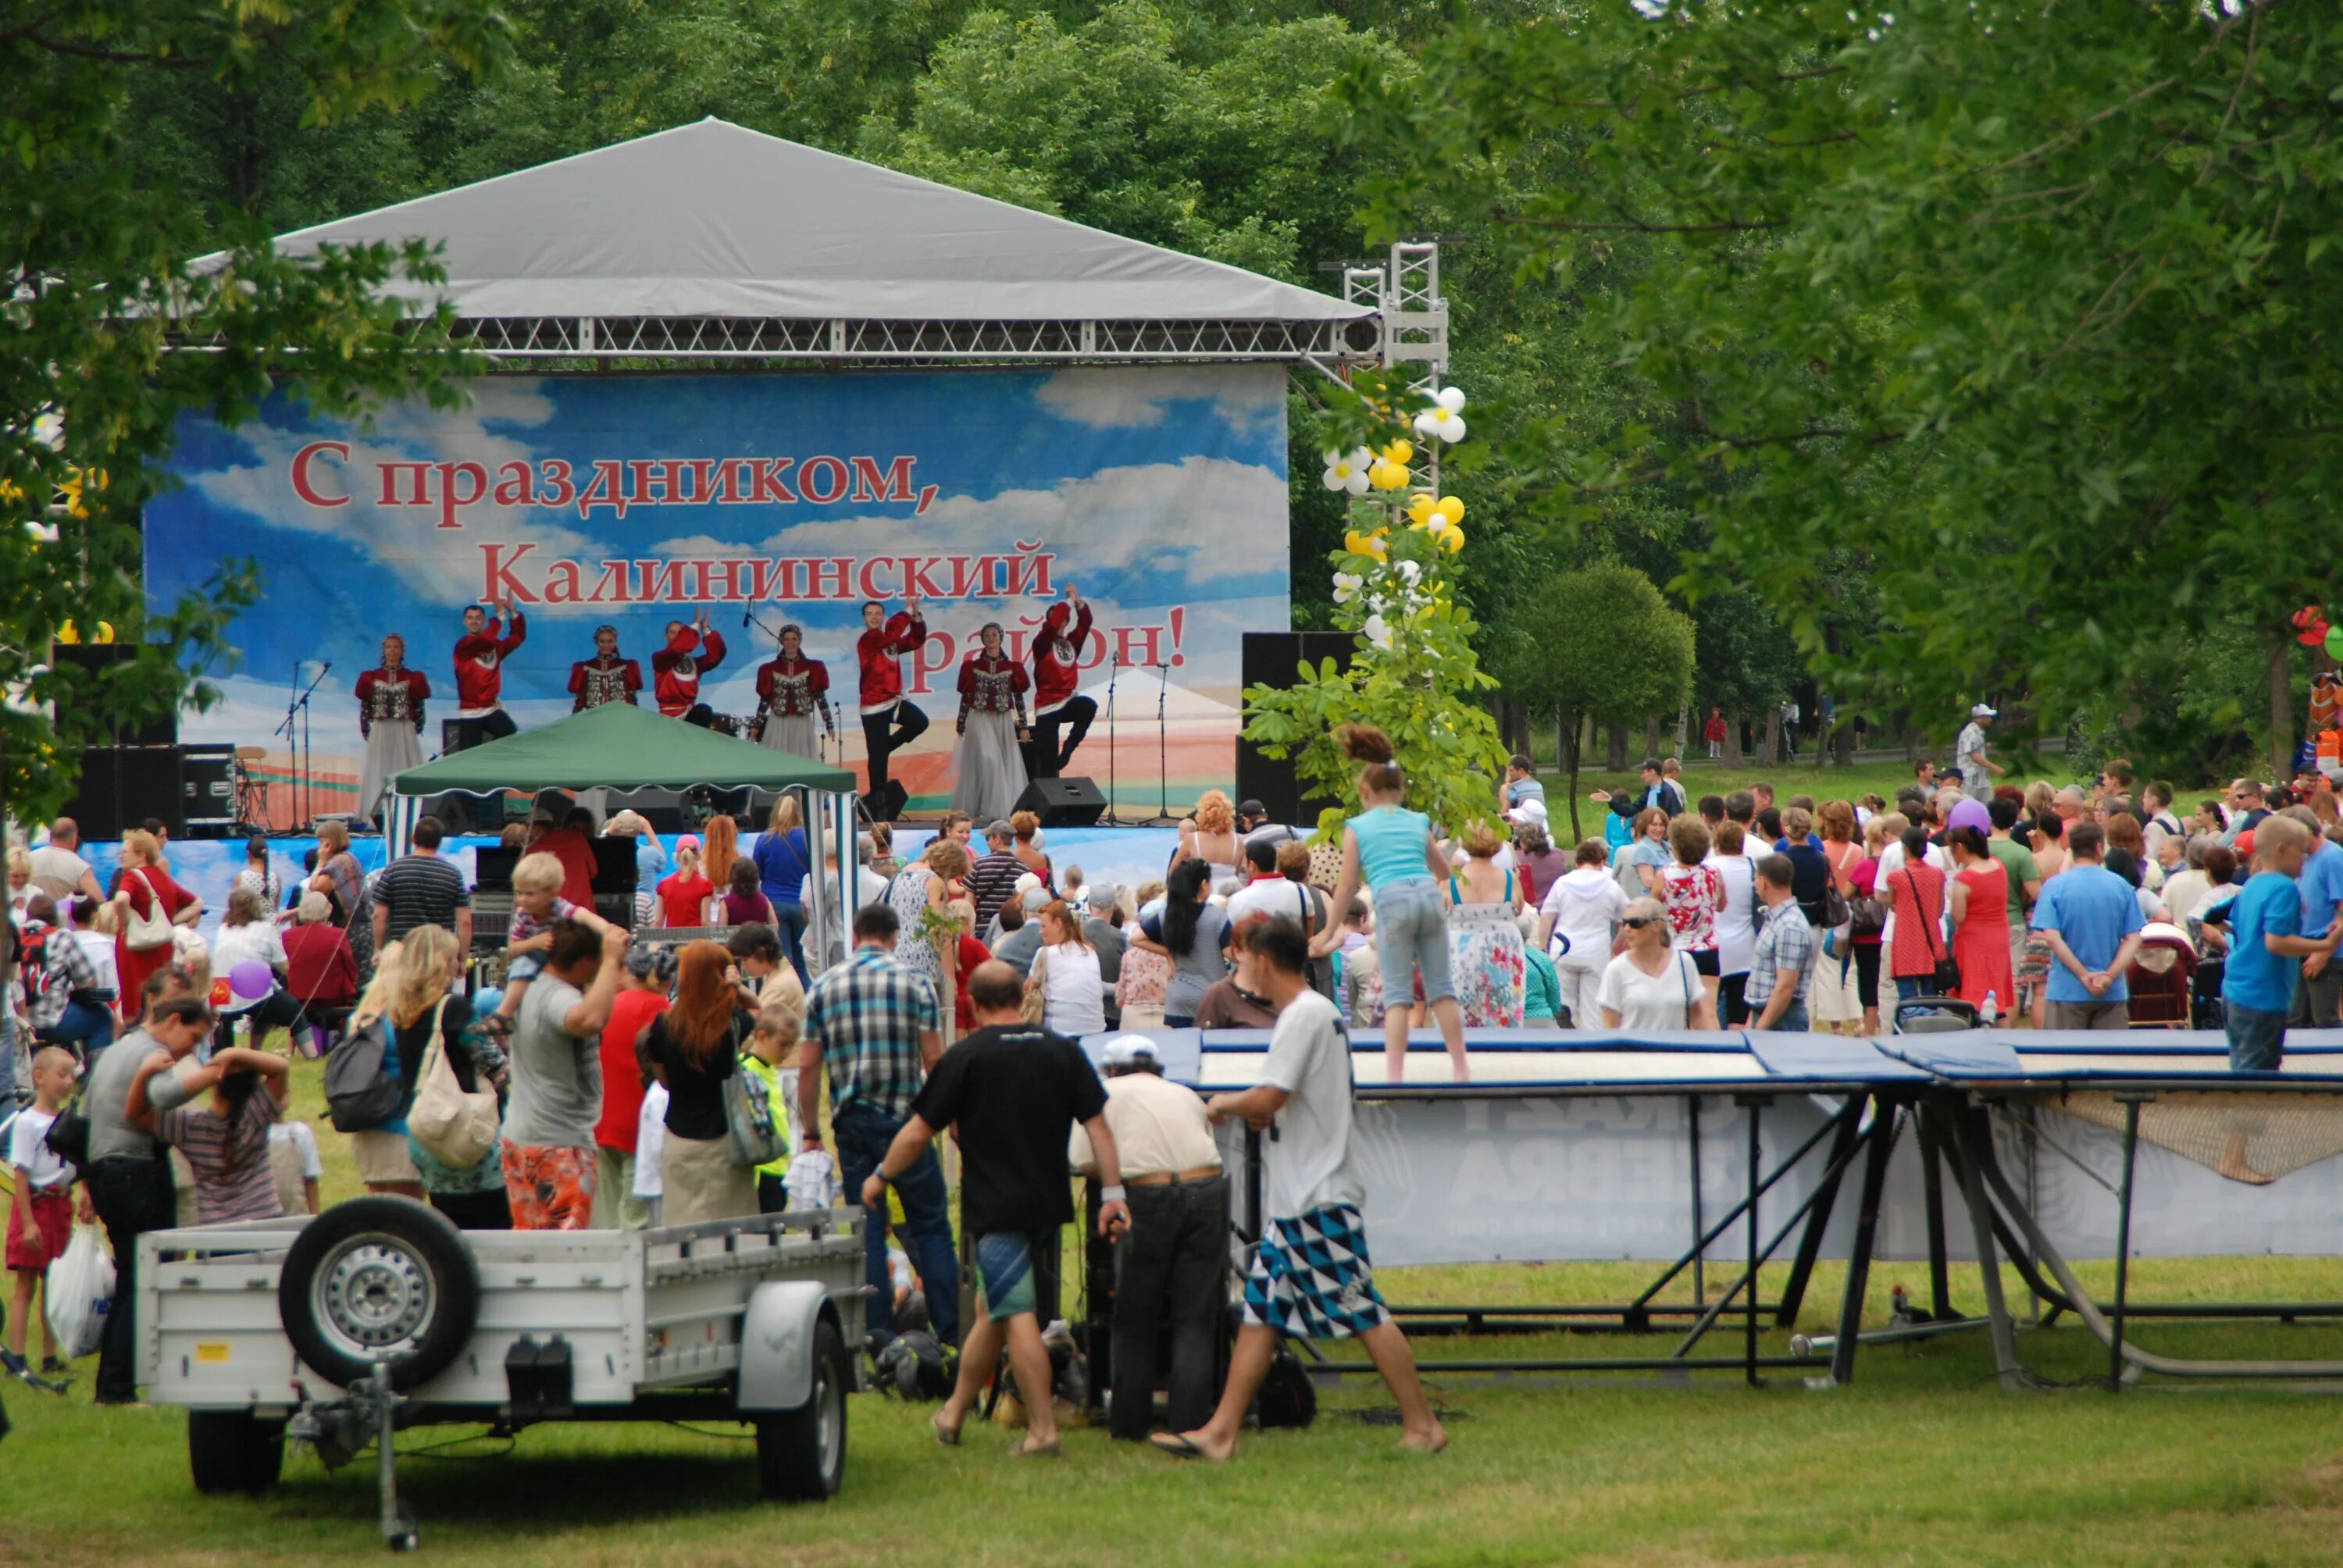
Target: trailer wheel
(379, 1279)
(801, 1452)
(234, 1451)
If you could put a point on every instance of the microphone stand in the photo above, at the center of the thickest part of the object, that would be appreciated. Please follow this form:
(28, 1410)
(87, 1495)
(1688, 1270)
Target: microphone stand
(308, 810)
(292, 746)
(1163, 749)
(1113, 670)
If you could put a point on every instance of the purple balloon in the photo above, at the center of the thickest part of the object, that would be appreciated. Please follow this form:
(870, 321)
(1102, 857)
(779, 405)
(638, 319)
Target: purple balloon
(251, 979)
(1972, 814)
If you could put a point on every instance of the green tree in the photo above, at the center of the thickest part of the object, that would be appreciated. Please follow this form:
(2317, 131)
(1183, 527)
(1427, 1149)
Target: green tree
(1599, 643)
(2033, 309)
(105, 282)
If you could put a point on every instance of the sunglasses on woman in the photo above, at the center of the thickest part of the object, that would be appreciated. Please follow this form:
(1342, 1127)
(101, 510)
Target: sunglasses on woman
(1637, 922)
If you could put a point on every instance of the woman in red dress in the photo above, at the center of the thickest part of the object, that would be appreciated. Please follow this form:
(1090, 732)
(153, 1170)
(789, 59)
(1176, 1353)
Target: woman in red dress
(1981, 921)
(1917, 913)
(146, 889)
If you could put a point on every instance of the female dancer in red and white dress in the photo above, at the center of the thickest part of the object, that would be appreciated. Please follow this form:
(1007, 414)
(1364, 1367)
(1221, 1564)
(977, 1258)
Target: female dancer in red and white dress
(605, 678)
(390, 716)
(992, 730)
(791, 690)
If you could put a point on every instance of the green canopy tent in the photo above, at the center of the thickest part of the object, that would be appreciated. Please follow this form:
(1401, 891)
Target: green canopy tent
(622, 747)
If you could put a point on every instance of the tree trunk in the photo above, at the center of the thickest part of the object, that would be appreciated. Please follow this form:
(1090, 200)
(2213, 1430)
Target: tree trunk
(1732, 737)
(1843, 742)
(1769, 738)
(1567, 738)
(1652, 736)
(1911, 740)
(1617, 759)
(2281, 708)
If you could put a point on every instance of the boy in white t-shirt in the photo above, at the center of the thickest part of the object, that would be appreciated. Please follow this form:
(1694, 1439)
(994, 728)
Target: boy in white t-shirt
(650, 1150)
(294, 1163)
(40, 1214)
(1311, 1275)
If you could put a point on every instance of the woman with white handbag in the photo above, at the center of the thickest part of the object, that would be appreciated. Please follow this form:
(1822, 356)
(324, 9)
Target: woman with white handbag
(450, 1132)
(151, 904)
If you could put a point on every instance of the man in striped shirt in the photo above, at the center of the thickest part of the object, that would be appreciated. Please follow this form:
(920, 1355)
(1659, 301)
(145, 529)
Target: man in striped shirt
(993, 877)
(875, 1024)
(420, 888)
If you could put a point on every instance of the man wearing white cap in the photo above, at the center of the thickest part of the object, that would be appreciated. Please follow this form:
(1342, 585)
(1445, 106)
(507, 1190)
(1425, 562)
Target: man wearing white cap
(1976, 769)
(1168, 1266)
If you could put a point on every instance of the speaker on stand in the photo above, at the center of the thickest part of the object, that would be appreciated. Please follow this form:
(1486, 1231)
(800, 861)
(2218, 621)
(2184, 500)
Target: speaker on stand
(1272, 658)
(1072, 802)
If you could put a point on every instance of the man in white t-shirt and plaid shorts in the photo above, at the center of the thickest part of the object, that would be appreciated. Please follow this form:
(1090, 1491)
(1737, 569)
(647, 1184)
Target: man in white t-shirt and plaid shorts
(1311, 1275)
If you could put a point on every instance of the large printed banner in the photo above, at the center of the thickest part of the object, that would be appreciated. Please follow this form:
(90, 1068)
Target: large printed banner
(1158, 493)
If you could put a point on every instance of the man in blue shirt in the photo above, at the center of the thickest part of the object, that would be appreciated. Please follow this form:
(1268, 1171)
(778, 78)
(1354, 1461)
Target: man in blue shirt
(2267, 947)
(2319, 987)
(2091, 918)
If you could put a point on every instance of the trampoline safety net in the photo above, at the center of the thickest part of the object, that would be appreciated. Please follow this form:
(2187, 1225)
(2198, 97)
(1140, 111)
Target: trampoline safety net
(2254, 1138)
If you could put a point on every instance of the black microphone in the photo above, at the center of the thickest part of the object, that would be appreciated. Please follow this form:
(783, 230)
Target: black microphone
(744, 617)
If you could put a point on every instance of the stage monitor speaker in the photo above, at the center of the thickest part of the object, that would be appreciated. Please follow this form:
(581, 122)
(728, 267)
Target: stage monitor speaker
(122, 786)
(92, 658)
(1071, 802)
(1271, 659)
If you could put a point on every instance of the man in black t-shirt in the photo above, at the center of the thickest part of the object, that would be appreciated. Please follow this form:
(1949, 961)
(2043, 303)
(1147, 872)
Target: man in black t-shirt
(1015, 1090)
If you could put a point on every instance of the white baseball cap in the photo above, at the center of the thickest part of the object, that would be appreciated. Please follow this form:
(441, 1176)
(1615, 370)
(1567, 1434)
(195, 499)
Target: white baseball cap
(1532, 811)
(1127, 1050)
(1983, 711)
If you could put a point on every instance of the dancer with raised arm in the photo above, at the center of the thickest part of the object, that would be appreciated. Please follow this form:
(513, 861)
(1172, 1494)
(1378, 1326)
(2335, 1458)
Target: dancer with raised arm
(390, 716)
(992, 729)
(889, 723)
(791, 690)
(693, 649)
(1057, 672)
(606, 677)
(1391, 847)
(480, 655)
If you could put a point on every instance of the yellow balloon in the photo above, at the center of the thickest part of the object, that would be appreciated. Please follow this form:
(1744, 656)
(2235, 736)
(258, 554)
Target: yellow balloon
(1361, 544)
(1455, 539)
(1419, 509)
(1399, 452)
(1452, 508)
(105, 631)
(1387, 476)
(67, 635)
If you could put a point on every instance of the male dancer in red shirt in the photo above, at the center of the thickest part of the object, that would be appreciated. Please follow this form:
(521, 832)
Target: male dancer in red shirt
(888, 722)
(691, 651)
(480, 655)
(1057, 672)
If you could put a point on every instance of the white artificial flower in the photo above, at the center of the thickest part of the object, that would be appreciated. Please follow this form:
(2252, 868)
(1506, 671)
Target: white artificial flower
(1409, 571)
(1346, 585)
(1347, 471)
(1377, 631)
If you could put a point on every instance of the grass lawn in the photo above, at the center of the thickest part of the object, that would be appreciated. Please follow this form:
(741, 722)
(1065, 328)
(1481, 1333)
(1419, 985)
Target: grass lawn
(1922, 1459)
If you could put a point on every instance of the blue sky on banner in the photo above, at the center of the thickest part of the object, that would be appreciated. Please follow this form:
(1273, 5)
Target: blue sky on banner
(1160, 492)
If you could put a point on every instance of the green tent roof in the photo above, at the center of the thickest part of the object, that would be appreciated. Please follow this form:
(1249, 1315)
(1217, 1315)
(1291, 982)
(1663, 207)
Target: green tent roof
(620, 747)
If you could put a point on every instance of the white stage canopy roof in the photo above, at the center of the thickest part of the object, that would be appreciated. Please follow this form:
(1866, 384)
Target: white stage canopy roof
(713, 241)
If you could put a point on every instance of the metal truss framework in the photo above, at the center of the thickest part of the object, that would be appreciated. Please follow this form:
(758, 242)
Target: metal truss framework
(843, 342)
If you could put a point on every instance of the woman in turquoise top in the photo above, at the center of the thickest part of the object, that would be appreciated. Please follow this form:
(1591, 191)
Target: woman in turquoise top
(1392, 849)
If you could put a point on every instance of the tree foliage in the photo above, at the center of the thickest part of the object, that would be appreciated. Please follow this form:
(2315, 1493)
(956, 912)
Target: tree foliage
(104, 277)
(2034, 309)
(1598, 643)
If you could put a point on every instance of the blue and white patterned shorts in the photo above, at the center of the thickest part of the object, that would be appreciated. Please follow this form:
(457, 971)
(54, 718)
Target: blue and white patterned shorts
(1310, 1277)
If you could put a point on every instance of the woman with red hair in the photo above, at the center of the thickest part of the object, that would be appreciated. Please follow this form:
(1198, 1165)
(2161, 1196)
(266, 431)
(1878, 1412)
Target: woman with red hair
(692, 1047)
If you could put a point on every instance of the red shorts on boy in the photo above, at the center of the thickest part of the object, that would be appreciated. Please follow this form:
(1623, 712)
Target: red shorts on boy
(54, 1213)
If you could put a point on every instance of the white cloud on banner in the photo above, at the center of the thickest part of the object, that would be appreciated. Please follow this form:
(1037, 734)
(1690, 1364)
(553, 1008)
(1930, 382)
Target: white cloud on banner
(1198, 520)
(1108, 398)
(405, 539)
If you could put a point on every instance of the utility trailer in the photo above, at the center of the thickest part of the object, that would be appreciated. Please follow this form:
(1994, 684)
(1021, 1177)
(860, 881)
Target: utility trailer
(380, 1316)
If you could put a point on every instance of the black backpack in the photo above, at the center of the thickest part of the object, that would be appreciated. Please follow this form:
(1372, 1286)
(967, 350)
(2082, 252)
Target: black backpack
(363, 1088)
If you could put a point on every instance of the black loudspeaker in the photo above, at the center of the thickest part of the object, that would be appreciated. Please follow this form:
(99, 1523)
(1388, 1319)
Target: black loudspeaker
(122, 786)
(1069, 802)
(1271, 659)
(92, 658)
(207, 791)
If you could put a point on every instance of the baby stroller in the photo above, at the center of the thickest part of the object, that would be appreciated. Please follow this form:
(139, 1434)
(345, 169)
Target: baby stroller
(1932, 1015)
(2161, 977)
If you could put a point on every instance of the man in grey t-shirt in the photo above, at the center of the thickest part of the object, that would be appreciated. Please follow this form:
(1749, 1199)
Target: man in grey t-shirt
(129, 1181)
(557, 1079)
(1311, 1275)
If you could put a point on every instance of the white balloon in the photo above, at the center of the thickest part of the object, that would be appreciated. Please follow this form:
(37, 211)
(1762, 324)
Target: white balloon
(1450, 429)
(1334, 478)
(1426, 421)
(1450, 399)
(1357, 483)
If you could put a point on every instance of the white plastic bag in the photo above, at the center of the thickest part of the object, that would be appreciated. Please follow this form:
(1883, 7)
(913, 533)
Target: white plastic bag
(80, 1293)
(812, 1181)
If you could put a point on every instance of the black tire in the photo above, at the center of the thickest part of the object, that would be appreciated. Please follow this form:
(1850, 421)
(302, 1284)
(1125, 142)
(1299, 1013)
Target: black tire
(801, 1452)
(378, 1275)
(231, 1450)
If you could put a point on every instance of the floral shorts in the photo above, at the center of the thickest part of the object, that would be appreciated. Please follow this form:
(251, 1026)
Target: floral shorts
(549, 1189)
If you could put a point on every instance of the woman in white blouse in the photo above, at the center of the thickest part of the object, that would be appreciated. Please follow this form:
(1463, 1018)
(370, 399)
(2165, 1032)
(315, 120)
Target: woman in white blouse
(1654, 986)
(1066, 970)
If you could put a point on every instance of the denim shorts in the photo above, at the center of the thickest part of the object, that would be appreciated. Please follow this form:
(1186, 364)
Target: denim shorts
(1411, 937)
(2257, 1039)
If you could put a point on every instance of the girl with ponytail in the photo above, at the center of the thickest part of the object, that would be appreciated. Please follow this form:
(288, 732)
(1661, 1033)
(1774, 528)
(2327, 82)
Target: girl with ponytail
(1392, 849)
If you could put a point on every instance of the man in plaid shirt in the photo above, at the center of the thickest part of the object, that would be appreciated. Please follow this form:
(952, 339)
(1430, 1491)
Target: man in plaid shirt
(1785, 963)
(84, 1026)
(875, 1023)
